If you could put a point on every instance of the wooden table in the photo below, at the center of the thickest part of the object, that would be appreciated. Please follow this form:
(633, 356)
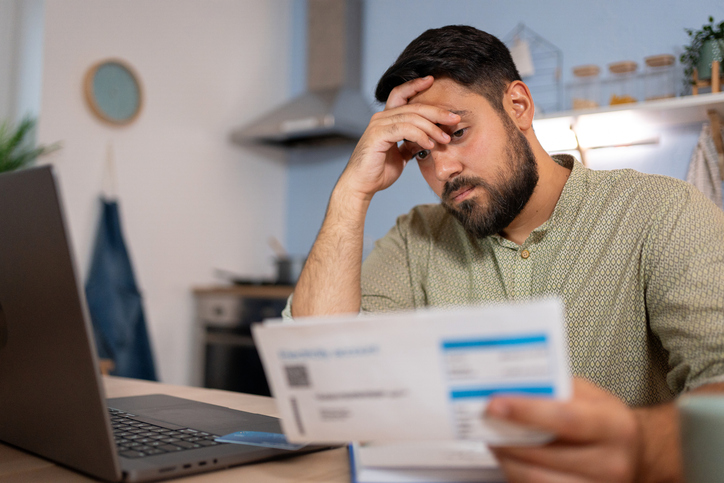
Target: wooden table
(329, 466)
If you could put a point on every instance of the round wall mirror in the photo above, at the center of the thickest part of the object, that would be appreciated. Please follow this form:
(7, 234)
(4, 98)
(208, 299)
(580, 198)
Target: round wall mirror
(113, 92)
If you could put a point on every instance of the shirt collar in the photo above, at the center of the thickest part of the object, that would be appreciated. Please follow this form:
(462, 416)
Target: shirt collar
(568, 202)
(572, 193)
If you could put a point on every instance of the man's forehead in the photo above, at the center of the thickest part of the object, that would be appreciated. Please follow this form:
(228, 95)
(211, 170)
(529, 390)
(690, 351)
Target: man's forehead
(459, 108)
(448, 94)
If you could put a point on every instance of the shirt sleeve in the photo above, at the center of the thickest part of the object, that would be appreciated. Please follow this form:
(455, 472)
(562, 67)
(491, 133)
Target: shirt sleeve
(386, 279)
(287, 312)
(684, 288)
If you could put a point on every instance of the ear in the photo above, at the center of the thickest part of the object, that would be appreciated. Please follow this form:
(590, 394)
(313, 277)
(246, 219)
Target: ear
(518, 103)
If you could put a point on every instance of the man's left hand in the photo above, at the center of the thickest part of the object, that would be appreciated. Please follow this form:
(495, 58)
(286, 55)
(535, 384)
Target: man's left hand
(597, 438)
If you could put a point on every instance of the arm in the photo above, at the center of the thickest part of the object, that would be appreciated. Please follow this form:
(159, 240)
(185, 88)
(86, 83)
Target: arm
(598, 438)
(330, 281)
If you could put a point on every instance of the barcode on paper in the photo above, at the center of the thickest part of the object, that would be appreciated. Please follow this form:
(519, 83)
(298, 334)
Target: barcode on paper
(297, 376)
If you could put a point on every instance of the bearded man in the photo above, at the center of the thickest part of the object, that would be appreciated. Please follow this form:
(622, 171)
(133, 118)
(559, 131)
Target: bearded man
(634, 257)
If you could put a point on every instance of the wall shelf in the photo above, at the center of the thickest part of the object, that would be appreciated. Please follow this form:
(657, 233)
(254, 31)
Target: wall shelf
(628, 124)
(665, 112)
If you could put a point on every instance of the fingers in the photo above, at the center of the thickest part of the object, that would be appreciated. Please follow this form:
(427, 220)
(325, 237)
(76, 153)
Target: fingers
(387, 136)
(567, 421)
(402, 93)
(596, 437)
(591, 415)
(418, 123)
(517, 470)
(583, 389)
(588, 460)
(552, 455)
(406, 152)
(426, 132)
(433, 114)
(398, 117)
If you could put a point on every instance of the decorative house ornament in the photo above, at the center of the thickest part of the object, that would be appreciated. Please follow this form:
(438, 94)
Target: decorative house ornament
(539, 63)
(113, 92)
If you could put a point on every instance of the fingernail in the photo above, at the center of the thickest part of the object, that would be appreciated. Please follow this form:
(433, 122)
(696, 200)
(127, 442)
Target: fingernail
(497, 409)
(446, 136)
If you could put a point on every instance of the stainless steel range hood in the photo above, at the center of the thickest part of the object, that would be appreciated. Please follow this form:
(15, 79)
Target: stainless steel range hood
(333, 108)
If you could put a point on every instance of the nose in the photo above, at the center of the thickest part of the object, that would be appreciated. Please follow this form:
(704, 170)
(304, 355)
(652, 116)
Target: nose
(447, 166)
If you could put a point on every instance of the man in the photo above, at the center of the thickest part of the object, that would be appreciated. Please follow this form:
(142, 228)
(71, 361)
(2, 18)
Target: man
(634, 257)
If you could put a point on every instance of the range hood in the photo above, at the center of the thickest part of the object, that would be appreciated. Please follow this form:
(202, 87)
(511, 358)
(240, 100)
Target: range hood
(333, 108)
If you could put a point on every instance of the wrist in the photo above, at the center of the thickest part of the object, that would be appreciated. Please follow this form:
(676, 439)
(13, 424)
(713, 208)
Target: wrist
(639, 470)
(349, 204)
(349, 186)
(657, 446)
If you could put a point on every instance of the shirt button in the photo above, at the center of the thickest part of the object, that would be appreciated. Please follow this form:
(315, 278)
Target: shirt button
(525, 254)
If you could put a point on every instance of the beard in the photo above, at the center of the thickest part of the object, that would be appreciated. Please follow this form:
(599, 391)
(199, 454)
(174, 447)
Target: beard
(506, 199)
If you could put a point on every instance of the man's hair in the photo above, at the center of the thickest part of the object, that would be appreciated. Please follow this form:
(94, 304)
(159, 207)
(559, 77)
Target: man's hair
(470, 57)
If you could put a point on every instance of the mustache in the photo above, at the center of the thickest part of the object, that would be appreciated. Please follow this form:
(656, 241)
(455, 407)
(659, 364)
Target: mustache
(461, 182)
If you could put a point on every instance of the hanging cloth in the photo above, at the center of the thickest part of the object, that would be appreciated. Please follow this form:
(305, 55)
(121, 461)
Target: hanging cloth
(114, 301)
(115, 304)
(704, 167)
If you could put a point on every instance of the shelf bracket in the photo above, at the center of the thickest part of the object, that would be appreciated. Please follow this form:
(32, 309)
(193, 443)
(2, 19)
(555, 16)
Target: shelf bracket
(581, 151)
(715, 122)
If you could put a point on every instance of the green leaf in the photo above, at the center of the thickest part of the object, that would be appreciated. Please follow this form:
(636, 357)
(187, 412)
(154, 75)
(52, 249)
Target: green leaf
(16, 147)
(690, 57)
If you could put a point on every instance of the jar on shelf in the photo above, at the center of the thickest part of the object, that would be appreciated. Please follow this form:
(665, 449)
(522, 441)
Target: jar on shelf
(623, 82)
(586, 87)
(659, 77)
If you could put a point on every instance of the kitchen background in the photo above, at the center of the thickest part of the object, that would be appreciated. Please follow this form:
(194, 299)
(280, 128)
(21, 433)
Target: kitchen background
(191, 200)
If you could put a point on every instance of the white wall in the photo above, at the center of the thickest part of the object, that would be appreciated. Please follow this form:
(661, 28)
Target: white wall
(190, 200)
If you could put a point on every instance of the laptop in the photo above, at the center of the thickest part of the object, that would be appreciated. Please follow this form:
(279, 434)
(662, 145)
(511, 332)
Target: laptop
(52, 400)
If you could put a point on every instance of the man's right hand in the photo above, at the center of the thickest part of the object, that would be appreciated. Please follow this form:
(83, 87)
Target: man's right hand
(377, 161)
(330, 280)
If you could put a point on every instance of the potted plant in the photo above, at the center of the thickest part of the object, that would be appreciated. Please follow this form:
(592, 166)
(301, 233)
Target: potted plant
(706, 46)
(17, 149)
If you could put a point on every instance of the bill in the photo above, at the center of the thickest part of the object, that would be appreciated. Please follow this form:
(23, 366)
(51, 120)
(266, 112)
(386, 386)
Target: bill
(423, 375)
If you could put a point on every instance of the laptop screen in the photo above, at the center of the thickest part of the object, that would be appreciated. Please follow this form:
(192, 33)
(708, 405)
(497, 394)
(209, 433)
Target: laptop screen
(51, 397)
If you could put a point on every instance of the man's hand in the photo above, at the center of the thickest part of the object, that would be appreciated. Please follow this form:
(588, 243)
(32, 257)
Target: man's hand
(377, 161)
(598, 438)
(330, 280)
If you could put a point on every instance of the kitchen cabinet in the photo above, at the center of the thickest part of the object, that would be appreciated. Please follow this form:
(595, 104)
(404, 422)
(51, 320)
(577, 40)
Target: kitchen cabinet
(225, 355)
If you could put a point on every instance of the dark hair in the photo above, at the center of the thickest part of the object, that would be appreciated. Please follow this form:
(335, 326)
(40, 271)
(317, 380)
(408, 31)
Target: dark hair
(470, 57)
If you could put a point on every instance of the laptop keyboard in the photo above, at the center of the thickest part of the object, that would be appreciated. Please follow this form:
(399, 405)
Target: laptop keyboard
(136, 438)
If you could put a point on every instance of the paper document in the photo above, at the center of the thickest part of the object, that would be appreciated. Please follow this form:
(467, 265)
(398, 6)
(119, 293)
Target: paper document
(424, 462)
(423, 375)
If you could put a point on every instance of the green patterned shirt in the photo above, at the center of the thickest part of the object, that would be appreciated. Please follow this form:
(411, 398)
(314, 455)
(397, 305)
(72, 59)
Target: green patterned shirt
(634, 257)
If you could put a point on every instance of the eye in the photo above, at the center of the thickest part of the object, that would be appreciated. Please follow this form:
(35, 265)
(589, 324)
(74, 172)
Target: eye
(420, 155)
(459, 133)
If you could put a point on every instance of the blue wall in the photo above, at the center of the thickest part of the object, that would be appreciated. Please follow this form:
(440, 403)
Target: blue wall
(587, 32)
